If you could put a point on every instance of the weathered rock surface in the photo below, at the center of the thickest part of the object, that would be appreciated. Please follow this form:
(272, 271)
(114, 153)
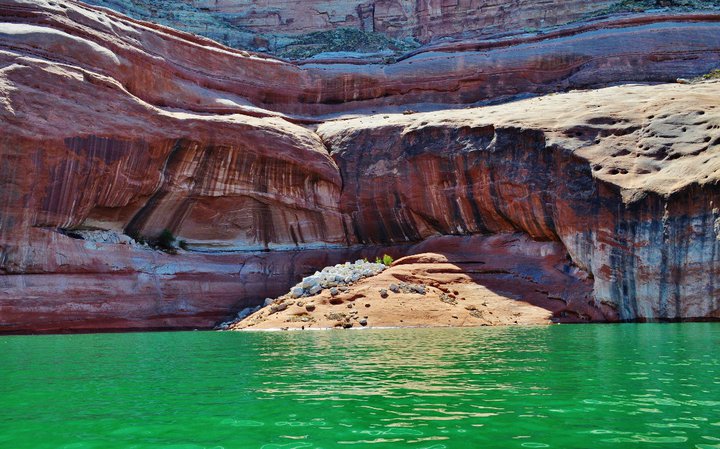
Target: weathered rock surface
(625, 177)
(159, 66)
(277, 24)
(422, 20)
(112, 125)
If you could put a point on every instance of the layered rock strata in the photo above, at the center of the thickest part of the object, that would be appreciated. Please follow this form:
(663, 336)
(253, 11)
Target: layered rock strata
(276, 25)
(624, 177)
(160, 66)
(114, 125)
(422, 20)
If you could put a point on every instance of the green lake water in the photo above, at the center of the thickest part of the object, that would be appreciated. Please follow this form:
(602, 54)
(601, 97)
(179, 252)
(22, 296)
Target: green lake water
(583, 386)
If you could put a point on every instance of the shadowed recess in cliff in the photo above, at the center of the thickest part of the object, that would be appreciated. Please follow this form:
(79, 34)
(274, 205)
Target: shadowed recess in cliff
(557, 168)
(234, 197)
(474, 280)
(408, 183)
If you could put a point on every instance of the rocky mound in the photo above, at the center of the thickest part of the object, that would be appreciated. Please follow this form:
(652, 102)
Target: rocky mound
(475, 281)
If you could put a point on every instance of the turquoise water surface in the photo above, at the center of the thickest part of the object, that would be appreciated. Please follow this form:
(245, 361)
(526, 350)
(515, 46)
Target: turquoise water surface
(584, 386)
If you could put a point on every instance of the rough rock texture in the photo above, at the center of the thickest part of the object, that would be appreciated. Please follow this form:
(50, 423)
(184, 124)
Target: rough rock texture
(110, 124)
(459, 281)
(159, 65)
(626, 177)
(423, 20)
(277, 24)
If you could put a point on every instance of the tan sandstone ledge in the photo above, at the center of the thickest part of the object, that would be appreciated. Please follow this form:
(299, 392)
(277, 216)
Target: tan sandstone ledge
(478, 281)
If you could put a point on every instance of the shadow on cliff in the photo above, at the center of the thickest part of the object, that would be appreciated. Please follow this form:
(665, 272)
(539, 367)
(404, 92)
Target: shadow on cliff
(512, 266)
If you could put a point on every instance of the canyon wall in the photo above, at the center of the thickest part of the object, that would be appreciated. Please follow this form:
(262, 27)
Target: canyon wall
(624, 177)
(115, 127)
(278, 24)
(159, 65)
(423, 20)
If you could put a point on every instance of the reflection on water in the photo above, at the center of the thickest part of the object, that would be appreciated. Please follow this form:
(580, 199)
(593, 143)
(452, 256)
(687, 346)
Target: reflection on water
(599, 386)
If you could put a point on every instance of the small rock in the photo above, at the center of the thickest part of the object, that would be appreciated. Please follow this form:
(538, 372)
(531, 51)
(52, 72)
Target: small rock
(310, 281)
(347, 325)
(367, 305)
(394, 288)
(349, 306)
(297, 292)
(383, 293)
(334, 316)
(244, 313)
(278, 307)
(334, 291)
(300, 303)
(268, 301)
(310, 307)
(363, 322)
(315, 289)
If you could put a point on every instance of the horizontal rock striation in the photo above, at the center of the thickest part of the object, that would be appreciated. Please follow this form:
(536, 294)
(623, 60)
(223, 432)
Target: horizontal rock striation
(77, 285)
(625, 177)
(276, 25)
(424, 20)
(112, 126)
(159, 65)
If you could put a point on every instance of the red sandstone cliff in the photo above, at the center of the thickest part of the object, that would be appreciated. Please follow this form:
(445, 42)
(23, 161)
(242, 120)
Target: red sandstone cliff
(109, 123)
(423, 20)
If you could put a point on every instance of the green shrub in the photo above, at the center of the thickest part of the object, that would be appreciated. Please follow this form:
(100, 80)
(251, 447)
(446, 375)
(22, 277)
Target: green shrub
(135, 235)
(643, 5)
(714, 75)
(344, 39)
(387, 260)
(165, 241)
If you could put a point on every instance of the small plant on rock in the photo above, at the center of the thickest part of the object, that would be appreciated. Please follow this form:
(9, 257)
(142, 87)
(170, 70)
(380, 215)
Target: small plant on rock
(387, 260)
(714, 75)
(165, 241)
(135, 235)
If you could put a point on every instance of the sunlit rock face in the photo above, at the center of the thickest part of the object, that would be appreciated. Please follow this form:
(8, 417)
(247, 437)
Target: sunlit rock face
(624, 177)
(114, 130)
